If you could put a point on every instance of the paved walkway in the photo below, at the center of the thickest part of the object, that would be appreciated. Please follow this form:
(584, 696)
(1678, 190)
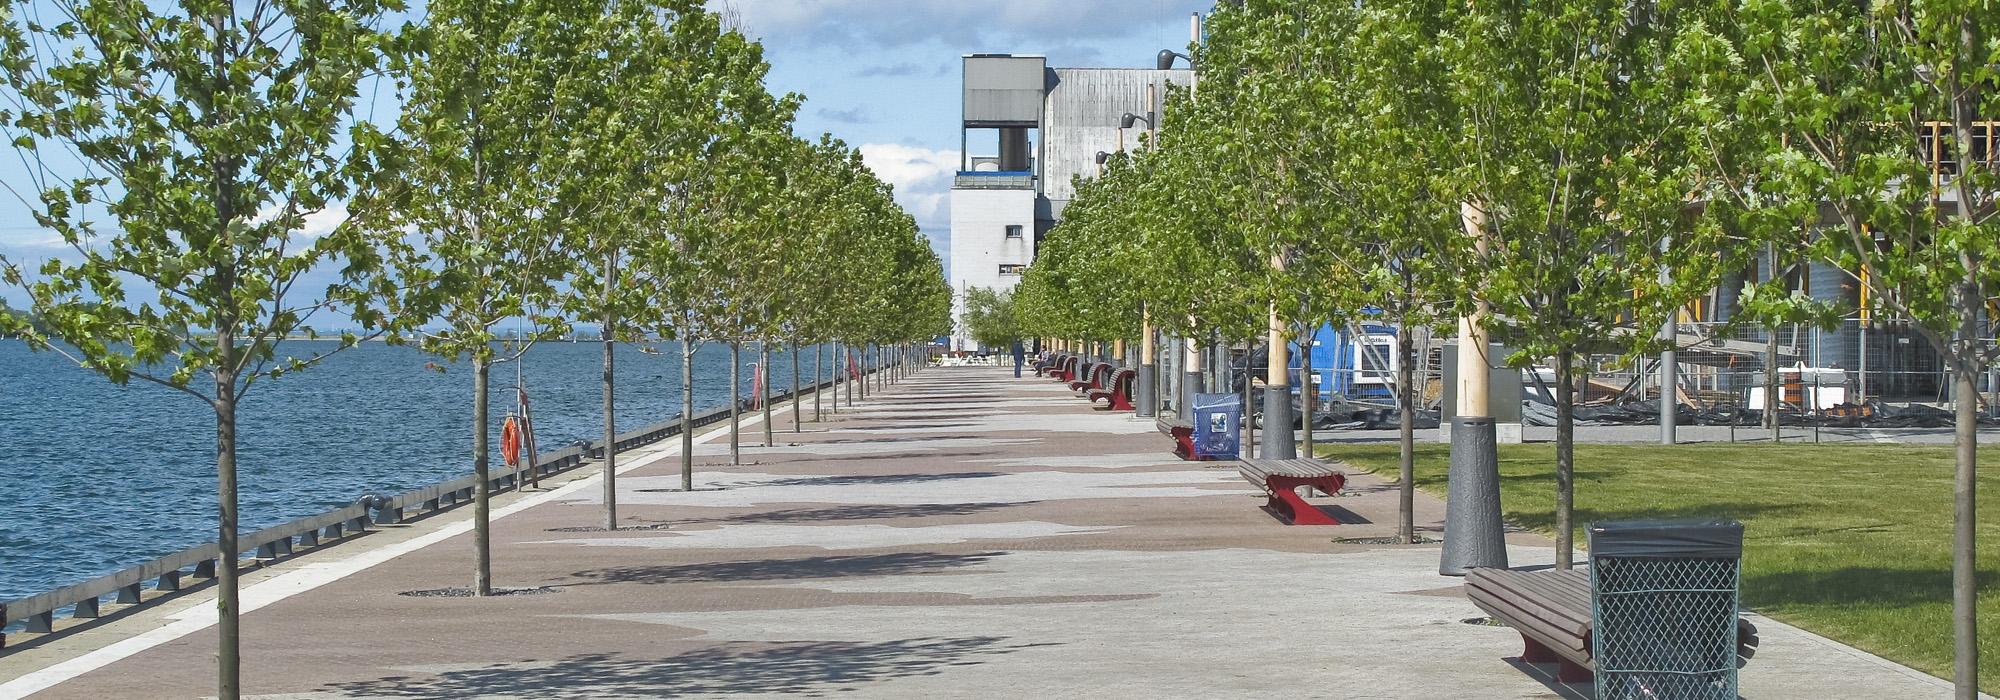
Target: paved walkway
(965, 534)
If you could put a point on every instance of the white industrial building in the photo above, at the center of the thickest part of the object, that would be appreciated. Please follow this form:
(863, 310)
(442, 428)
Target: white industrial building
(1046, 126)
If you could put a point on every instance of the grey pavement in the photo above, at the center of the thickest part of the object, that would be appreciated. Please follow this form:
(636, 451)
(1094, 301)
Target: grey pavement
(963, 534)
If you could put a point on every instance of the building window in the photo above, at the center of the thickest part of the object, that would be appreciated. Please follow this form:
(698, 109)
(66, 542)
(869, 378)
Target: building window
(1014, 231)
(1012, 269)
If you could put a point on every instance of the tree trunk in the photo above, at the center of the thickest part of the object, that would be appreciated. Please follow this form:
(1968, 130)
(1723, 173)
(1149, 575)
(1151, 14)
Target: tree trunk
(1308, 390)
(798, 399)
(1406, 424)
(482, 492)
(1965, 527)
(687, 414)
(1249, 432)
(735, 401)
(609, 335)
(764, 387)
(1565, 459)
(228, 660)
(1965, 505)
(819, 384)
(610, 430)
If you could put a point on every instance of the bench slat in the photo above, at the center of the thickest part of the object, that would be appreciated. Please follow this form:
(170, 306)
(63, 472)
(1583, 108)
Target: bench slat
(1550, 597)
(1554, 637)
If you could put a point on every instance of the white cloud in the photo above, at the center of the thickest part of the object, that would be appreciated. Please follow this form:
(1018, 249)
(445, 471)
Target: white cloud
(902, 22)
(922, 178)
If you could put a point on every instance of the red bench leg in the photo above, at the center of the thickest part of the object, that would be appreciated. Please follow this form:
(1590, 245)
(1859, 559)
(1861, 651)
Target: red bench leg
(1184, 444)
(1286, 501)
(1120, 403)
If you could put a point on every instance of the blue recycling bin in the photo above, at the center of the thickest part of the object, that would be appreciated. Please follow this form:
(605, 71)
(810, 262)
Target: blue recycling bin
(1218, 421)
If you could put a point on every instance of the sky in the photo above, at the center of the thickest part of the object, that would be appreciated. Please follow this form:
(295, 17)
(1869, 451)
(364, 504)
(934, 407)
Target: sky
(883, 75)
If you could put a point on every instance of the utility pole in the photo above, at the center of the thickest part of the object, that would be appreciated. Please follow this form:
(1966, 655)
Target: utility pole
(1473, 534)
(1144, 389)
(1278, 436)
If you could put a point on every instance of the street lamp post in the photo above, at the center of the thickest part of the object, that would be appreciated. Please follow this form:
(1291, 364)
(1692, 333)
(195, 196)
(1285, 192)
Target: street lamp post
(1146, 389)
(1191, 363)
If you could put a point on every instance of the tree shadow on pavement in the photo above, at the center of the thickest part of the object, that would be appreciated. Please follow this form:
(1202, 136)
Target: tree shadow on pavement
(851, 479)
(858, 512)
(839, 566)
(801, 668)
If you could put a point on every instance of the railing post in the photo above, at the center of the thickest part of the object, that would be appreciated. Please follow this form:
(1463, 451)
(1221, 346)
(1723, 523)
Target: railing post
(171, 580)
(203, 569)
(130, 594)
(86, 608)
(359, 523)
(43, 623)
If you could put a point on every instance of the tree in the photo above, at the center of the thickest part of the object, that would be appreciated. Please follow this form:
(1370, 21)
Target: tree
(1849, 132)
(989, 317)
(205, 134)
(1572, 160)
(464, 212)
(19, 319)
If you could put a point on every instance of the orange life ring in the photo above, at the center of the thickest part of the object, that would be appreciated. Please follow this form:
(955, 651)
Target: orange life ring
(510, 442)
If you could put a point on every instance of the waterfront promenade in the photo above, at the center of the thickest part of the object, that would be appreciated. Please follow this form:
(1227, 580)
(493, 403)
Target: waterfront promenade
(962, 534)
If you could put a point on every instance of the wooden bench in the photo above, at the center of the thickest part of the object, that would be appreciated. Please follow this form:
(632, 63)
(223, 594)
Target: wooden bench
(1118, 395)
(1182, 431)
(1551, 610)
(1280, 480)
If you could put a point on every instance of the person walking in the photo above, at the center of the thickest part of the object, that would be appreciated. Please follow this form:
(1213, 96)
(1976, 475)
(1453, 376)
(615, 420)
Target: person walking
(1020, 356)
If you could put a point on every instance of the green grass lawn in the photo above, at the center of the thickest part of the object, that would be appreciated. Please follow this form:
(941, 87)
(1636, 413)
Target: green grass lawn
(1852, 542)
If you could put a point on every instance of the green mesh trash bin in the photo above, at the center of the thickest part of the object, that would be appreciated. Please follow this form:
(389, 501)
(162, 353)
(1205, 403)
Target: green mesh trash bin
(1663, 608)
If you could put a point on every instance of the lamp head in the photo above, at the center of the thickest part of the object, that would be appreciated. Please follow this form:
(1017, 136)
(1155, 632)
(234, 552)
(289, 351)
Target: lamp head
(1165, 60)
(1102, 156)
(1126, 122)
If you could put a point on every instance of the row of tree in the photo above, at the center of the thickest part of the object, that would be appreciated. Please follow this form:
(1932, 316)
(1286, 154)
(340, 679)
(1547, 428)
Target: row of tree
(1572, 174)
(537, 162)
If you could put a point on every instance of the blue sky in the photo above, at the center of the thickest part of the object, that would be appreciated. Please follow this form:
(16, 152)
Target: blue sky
(882, 75)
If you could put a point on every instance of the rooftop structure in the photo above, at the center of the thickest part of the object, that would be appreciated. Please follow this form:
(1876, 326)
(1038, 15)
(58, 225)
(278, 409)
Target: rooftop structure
(1036, 128)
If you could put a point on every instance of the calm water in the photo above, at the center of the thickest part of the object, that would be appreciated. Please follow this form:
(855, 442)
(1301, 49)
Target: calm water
(96, 477)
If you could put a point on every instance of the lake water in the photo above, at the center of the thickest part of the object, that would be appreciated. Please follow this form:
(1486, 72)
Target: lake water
(96, 477)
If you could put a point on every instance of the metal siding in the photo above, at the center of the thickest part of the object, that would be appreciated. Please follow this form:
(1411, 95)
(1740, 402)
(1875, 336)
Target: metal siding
(1080, 118)
(1003, 90)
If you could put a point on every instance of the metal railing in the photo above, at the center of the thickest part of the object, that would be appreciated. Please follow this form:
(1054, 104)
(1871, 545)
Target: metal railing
(314, 532)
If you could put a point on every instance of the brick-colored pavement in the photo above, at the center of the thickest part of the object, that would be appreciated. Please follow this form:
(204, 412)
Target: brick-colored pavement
(963, 534)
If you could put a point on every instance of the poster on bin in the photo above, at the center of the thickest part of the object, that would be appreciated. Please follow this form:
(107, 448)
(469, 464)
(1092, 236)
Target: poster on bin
(1217, 422)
